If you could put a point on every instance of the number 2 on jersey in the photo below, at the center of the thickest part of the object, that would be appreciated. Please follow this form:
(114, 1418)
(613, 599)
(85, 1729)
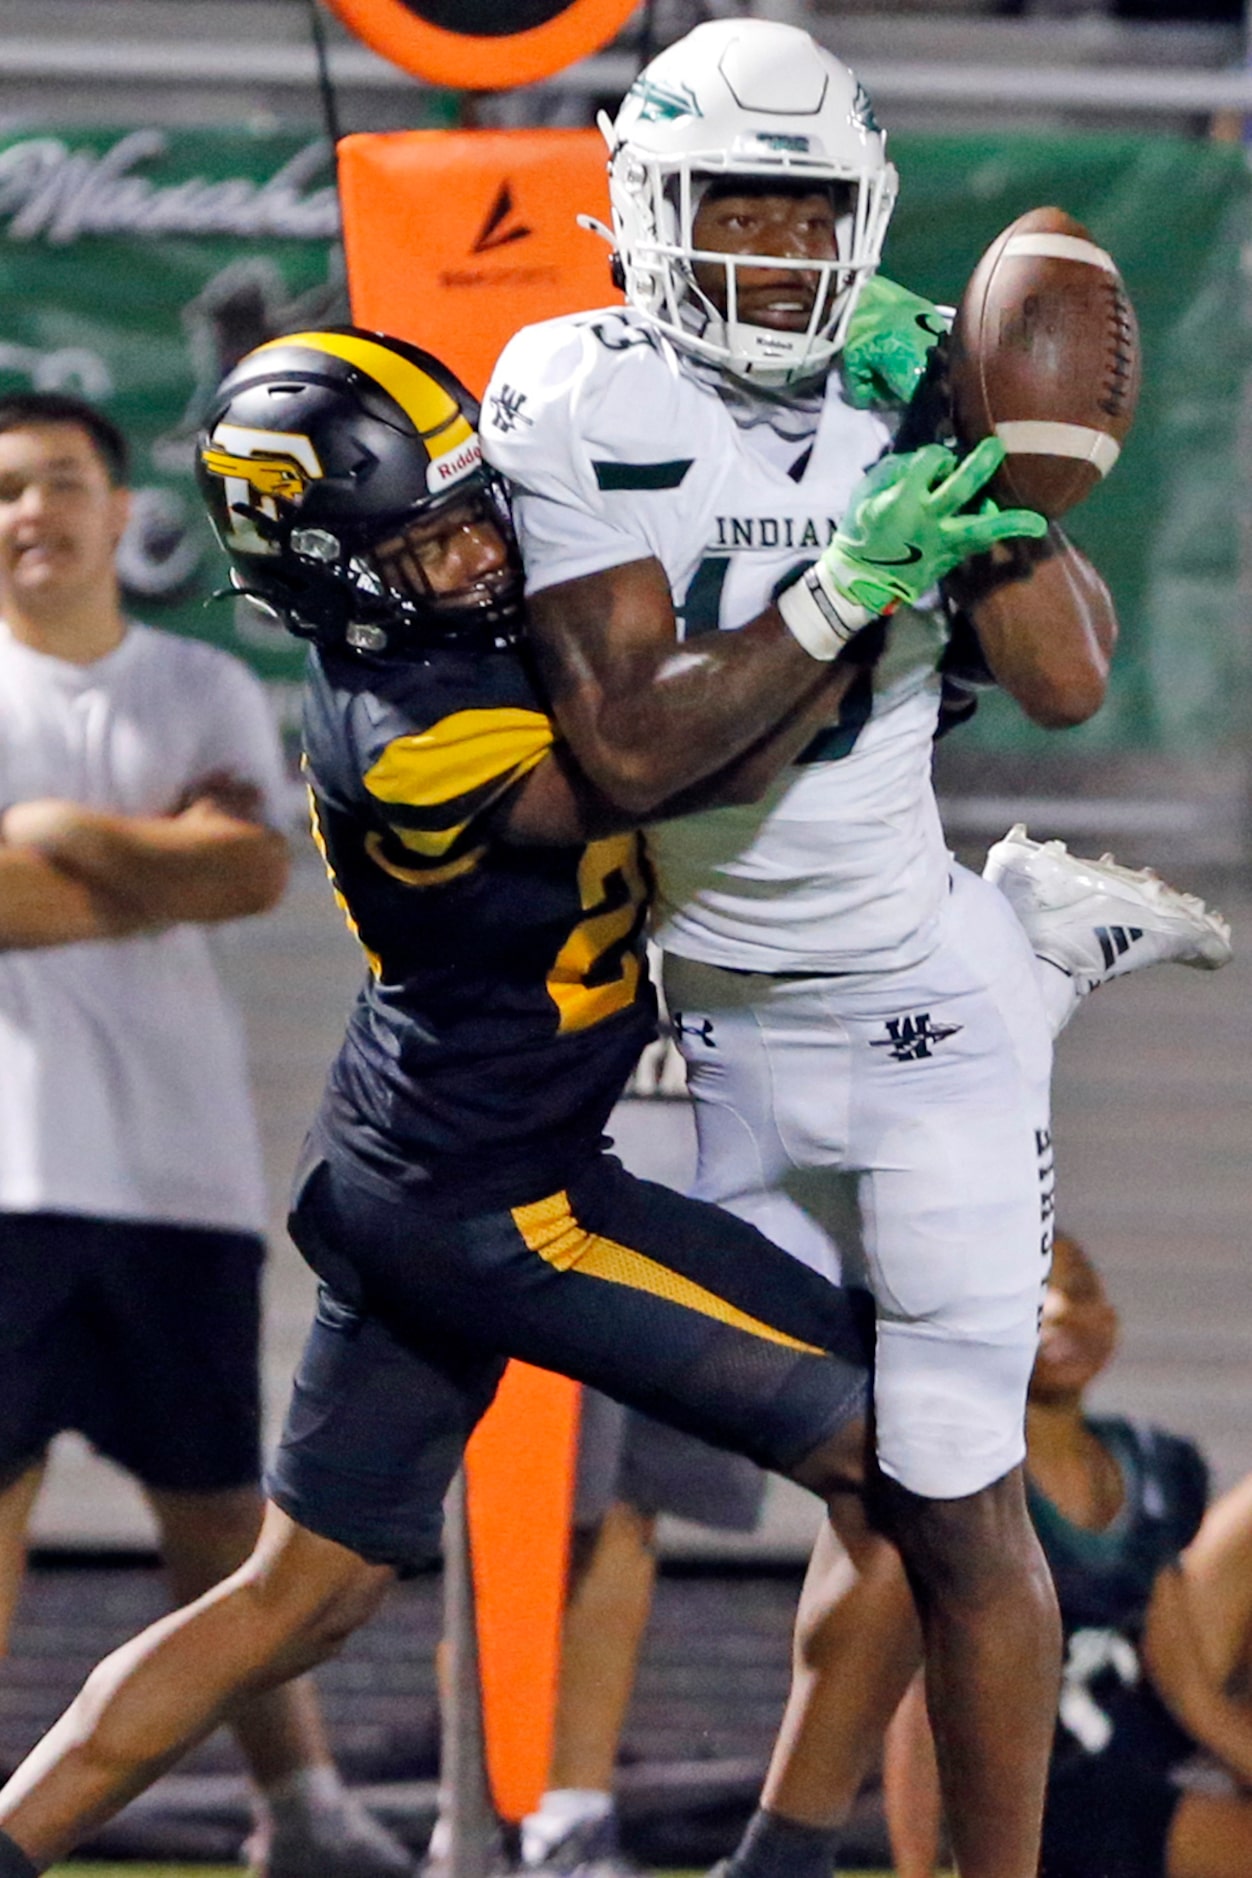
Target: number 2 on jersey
(596, 972)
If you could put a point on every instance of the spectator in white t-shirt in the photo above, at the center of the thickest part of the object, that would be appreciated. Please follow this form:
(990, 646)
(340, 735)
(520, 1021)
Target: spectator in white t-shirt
(141, 798)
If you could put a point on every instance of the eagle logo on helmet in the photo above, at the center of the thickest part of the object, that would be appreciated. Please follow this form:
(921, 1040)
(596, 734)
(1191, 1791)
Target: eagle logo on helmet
(273, 477)
(659, 103)
(863, 111)
(259, 468)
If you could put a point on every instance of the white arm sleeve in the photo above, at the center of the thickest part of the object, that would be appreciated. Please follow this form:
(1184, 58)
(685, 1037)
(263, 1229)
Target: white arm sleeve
(561, 408)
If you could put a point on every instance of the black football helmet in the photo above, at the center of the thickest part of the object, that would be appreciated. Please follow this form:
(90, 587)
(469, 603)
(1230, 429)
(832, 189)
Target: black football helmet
(322, 448)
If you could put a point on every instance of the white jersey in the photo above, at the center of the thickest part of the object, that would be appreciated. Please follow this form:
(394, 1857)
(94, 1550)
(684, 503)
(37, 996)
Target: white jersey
(618, 451)
(123, 1081)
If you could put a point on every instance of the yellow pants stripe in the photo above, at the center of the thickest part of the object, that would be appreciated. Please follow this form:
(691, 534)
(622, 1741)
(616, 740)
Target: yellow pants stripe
(550, 1229)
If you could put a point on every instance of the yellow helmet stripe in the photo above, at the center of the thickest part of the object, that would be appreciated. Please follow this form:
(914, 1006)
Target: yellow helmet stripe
(420, 397)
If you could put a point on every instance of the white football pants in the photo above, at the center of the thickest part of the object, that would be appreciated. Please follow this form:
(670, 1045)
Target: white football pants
(892, 1130)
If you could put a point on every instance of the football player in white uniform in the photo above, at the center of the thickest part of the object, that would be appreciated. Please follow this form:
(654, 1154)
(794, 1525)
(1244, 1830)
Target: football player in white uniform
(710, 510)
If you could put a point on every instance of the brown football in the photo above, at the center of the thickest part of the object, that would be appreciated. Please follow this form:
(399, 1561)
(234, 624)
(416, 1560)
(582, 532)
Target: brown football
(1045, 355)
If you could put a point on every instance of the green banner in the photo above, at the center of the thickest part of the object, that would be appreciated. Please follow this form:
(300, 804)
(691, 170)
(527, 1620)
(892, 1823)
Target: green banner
(1165, 528)
(137, 265)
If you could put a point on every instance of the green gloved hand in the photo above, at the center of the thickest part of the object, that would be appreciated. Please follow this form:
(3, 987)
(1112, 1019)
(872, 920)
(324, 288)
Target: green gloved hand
(890, 336)
(903, 530)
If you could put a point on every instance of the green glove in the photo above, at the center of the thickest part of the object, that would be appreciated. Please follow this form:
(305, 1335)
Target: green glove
(906, 526)
(890, 336)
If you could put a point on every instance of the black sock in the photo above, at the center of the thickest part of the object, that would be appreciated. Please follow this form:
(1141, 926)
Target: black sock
(14, 1863)
(774, 1847)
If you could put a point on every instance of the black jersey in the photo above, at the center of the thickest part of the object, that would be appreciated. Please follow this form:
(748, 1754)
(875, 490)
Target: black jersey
(1103, 1583)
(507, 999)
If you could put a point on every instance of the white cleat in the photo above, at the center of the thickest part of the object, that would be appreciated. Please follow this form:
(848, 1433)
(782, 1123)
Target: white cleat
(1096, 920)
(589, 1848)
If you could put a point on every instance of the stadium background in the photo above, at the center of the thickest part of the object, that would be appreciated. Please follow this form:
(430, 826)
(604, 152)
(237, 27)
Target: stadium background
(166, 200)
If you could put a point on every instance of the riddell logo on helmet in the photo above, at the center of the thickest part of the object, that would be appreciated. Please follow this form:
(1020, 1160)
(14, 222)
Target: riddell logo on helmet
(458, 463)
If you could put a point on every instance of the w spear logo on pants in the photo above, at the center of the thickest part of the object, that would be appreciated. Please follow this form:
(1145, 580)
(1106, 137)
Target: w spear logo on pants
(909, 1039)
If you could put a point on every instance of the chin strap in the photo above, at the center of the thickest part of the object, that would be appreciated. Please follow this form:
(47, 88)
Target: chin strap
(593, 225)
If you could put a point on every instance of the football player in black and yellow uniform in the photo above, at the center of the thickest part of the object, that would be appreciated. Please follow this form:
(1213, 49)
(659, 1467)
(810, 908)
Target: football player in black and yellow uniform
(456, 1197)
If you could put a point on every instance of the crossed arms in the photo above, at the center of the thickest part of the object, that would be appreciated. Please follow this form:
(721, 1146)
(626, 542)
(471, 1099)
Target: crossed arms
(69, 872)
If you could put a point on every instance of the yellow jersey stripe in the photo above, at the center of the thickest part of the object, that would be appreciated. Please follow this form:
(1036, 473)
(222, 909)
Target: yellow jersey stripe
(550, 1229)
(319, 842)
(421, 876)
(419, 396)
(460, 754)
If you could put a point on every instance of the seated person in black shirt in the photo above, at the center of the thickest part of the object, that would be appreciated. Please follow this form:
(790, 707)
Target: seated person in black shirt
(1156, 1601)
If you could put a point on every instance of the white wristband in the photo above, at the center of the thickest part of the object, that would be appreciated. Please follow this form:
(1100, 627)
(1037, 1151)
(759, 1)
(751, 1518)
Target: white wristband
(820, 619)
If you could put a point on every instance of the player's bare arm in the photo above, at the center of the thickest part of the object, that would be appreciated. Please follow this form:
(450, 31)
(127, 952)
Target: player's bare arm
(646, 715)
(557, 806)
(751, 773)
(1046, 623)
(1043, 614)
(203, 864)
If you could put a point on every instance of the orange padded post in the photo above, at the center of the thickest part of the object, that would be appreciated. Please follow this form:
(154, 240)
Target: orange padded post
(520, 1468)
(454, 239)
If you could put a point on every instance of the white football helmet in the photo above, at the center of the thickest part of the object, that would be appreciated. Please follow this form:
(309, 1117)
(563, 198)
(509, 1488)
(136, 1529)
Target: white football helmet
(761, 100)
